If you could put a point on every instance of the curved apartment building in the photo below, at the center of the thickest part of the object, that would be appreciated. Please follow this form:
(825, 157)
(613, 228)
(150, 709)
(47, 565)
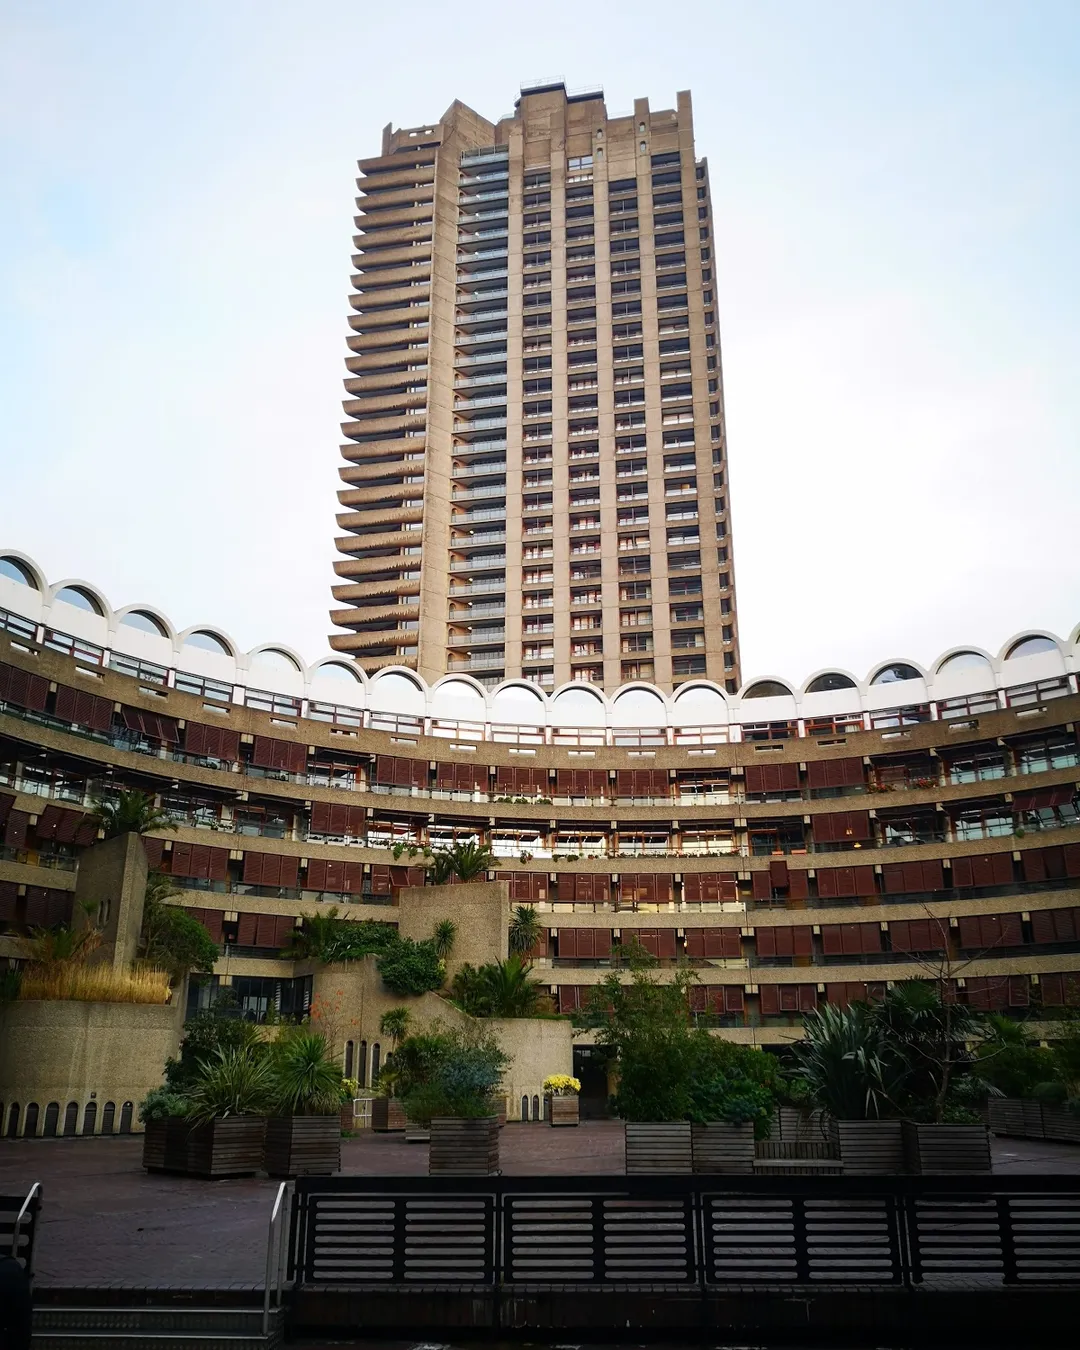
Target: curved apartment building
(795, 844)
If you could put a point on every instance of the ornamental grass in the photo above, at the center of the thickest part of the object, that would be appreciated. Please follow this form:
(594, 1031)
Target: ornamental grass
(78, 981)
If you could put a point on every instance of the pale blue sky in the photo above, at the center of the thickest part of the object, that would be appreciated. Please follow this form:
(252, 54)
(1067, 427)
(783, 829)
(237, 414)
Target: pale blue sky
(898, 227)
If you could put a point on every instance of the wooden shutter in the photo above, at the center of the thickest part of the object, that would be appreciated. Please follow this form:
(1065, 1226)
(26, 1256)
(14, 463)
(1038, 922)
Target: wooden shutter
(837, 827)
(23, 689)
(850, 939)
(854, 991)
(986, 869)
(16, 829)
(915, 877)
(713, 943)
(771, 778)
(835, 773)
(247, 927)
(271, 869)
(211, 920)
(212, 742)
(761, 886)
(709, 887)
(573, 997)
(199, 861)
(918, 935)
(845, 882)
(526, 888)
(337, 818)
(45, 908)
(1055, 925)
(83, 708)
(798, 884)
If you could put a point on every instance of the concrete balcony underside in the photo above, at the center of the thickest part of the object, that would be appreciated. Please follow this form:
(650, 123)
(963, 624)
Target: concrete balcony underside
(373, 663)
(384, 375)
(382, 355)
(387, 404)
(389, 197)
(372, 241)
(406, 256)
(364, 590)
(373, 425)
(368, 324)
(401, 446)
(349, 520)
(352, 617)
(393, 217)
(361, 642)
(350, 543)
(388, 168)
(358, 567)
(365, 475)
(388, 277)
(385, 492)
(374, 296)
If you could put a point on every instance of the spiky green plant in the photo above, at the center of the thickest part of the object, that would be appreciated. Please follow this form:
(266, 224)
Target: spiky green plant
(394, 1023)
(129, 812)
(526, 930)
(846, 1064)
(233, 1082)
(443, 937)
(499, 989)
(464, 860)
(304, 1080)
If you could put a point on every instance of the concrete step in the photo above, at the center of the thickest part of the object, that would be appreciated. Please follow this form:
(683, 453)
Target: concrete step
(143, 1328)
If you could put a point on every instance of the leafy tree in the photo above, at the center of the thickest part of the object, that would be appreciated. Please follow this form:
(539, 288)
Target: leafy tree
(394, 1023)
(411, 967)
(172, 939)
(443, 937)
(499, 989)
(464, 860)
(931, 1033)
(130, 812)
(526, 930)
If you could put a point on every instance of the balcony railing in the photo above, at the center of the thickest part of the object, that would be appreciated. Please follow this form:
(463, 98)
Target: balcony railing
(484, 638)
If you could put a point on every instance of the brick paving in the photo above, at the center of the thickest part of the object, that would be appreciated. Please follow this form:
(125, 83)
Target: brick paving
(106, 1221)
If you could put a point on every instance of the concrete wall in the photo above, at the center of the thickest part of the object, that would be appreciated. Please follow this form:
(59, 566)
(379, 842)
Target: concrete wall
(538, 1047)
(481, 910)
(64, 1051)
(110, 892)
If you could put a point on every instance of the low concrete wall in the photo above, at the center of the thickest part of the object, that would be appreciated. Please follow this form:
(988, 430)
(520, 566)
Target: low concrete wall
(64, 1052)
(538, 1047)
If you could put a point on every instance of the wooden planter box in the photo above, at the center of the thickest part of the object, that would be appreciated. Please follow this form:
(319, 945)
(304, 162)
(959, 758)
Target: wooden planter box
(1061, 1125)
(792, 1158)
(562, 1110)
(302, 1146)
(387, 1114)
(499, 1107)
(1008, 1117)
(722, 1147)
(871, 1148)
(416, 1133)
(938, 1150)
(799, 1127)
(163, 1144)
(464, 1148)
(662, 1147)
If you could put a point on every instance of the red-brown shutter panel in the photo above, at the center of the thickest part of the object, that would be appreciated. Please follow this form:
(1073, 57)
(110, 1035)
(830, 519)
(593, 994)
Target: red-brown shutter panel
(16, 829)
(834, 773)
(83, 709)
(762, 887)
(23, 689)
(212, 742)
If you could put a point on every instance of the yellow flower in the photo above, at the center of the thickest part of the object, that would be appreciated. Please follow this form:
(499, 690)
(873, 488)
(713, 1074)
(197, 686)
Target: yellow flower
(562, 1085)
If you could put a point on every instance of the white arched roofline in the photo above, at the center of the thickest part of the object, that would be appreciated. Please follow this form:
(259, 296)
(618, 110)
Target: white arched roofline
(1074, 636)
(281, 648)
(690, 685)
(965, 649)
(231, 648)
(830, 670)
(879, 666)
(154, 613)
(769, 679)
(25, 560)
(455, 677)
(342, 662)
(421, 684)
(77, 584)
(590, 689)
(1026, 633)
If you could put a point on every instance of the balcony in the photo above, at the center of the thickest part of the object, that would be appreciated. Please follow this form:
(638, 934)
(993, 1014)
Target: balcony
(480, 470)
(490, 194)
(479, 661)
(482, 253)
(481, 401)
(477, 588)
(483, 638)
(466, 518)
(474, 339)
(478, 424)
(481, 611)
(474, 494)
(482, 563)
(478, 381)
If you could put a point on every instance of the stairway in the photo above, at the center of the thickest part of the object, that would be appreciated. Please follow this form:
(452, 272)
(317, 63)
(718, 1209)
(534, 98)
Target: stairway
(71, 1327)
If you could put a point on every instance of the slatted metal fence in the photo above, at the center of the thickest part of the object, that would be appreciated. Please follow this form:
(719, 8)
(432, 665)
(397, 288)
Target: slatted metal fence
(685, 1232)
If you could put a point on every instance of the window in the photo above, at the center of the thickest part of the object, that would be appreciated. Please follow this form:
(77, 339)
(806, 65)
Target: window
(687, 613)
(683, 638)
(684, 586)
(636, 590)
(1057, 750)
(687, 665)
(636, 642)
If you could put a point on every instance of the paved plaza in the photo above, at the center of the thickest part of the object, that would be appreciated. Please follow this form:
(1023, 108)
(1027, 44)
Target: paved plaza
(106, 1221)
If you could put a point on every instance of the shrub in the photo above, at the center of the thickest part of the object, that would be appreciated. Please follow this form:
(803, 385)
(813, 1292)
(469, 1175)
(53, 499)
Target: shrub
(498, 989)
(304, 1080)
(1016, 1069)
(161, 1104)
(1050, 1094)
(84, 983)
(234, 1082)
(449, 1073)
(410, 967)
(326, 937)
(176, 941)
(205, 1036)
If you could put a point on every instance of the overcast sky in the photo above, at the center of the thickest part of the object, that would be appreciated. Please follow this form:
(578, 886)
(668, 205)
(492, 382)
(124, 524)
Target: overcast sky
(897, 206)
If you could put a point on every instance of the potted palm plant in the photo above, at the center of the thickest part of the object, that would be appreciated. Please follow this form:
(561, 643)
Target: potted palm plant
(303, 1131)
(227, 1109)
(846, 1066)
(561, 1099)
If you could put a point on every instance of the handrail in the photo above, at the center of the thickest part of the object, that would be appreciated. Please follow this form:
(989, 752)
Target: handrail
(274, 1259)
(32, 1202)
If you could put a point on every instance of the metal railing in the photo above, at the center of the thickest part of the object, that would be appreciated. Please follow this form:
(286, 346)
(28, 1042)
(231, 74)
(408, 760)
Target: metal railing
(23, 1226)
(704, 1232)
(277, 1241)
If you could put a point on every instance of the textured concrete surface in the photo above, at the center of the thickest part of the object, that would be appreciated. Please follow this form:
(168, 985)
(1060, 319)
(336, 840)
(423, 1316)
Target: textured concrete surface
(106, 1221)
